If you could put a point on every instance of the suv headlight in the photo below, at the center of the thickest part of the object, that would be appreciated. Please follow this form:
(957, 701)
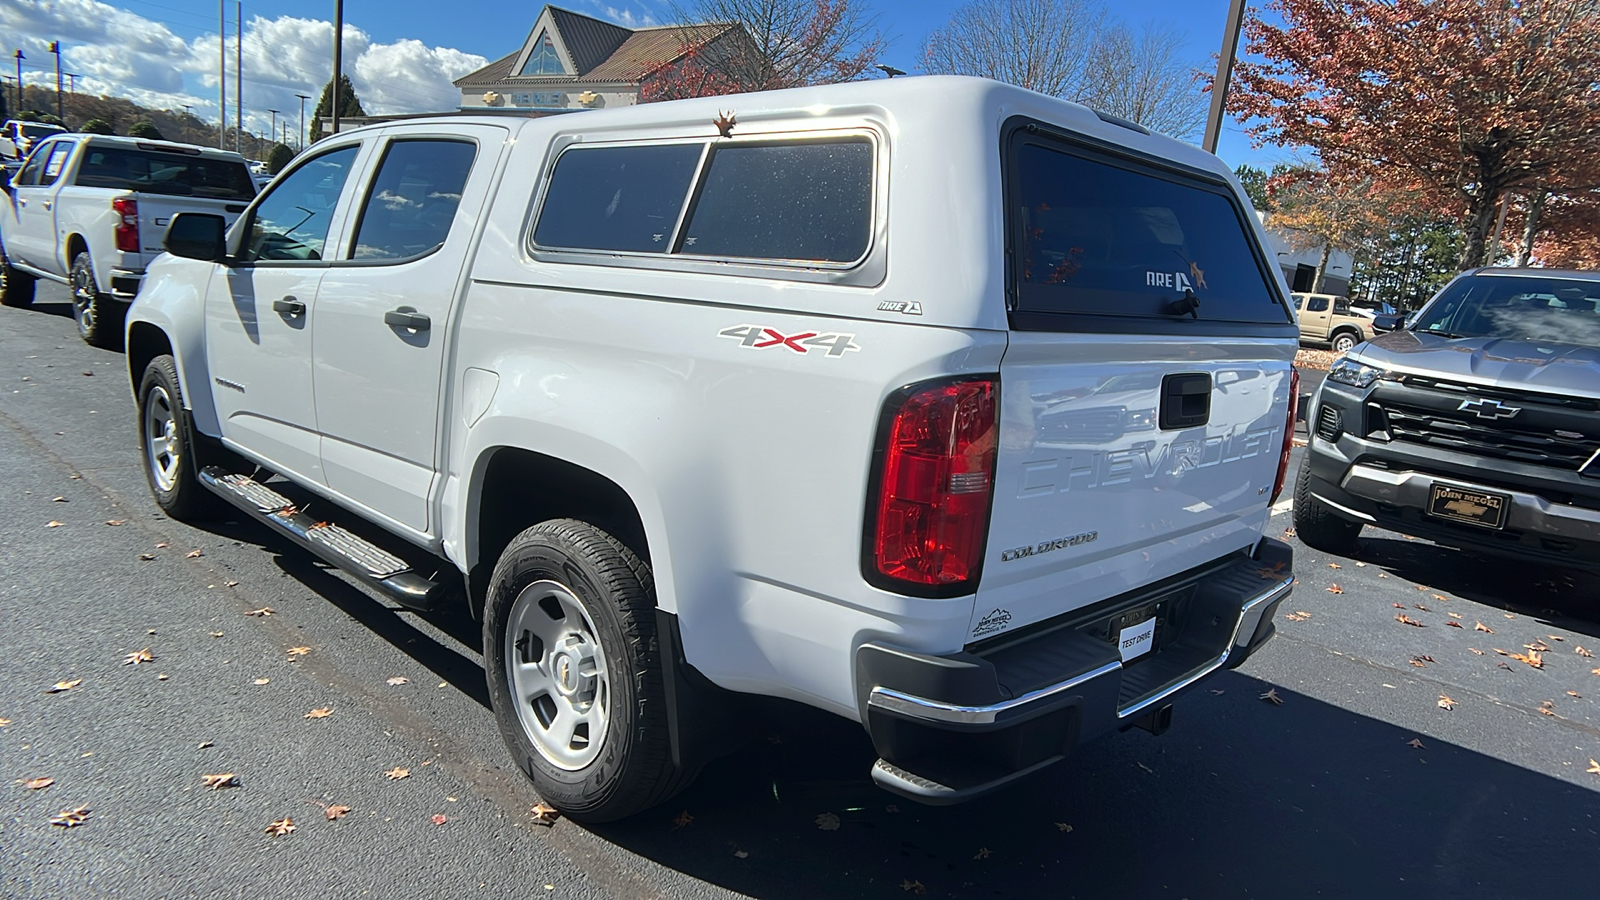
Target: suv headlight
(1355, 374)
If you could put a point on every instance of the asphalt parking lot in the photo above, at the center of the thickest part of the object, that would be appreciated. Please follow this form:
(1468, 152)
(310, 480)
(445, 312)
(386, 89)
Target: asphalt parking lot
(1359, 784)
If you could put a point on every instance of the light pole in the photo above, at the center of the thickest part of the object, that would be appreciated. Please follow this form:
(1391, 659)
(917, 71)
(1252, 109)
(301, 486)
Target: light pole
(222, 74)
(61, 109)
(301, 141)
(338, 49)
(20, 58)
(274, 131)
(1219, 87)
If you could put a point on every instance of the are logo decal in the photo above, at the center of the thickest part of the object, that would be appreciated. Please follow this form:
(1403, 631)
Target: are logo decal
(757, 337)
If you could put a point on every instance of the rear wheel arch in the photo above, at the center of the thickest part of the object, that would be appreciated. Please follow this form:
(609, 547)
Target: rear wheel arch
(517, 488)
(74, 245)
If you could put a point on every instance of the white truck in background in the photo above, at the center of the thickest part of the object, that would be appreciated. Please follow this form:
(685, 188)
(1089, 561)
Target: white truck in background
(89, 211)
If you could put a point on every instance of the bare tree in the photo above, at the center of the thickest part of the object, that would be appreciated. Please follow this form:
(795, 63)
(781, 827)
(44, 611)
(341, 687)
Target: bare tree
(1072, 49)
(785, 43)
(1140, 78)
(1042, 45)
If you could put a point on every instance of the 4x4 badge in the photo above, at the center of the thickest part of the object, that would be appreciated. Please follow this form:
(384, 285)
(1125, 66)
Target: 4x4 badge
(1489, 409)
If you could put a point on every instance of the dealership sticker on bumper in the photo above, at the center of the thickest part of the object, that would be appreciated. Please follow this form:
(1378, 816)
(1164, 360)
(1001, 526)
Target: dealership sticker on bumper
(1136, 640)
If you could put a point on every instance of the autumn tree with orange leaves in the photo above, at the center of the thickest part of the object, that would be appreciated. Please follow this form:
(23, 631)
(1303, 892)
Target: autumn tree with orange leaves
(1456, 101)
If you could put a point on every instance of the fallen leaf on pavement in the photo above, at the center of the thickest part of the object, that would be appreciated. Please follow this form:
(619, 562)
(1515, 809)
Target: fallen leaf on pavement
(1582, 652)
(137, 657)
(263, 611)
(1446, 703)
(220, 780)
(1538, 645)
(1594, 768)
(116, 522)
(682, 820)
(1297, 616)
(1452, 624)
(1063, 827)
(71, 818)
(1404, 619)
(1483, 628)
(1534, 658)
(205, 744)
(1547, 708)
(280, 827)
(216, 634)
(162, 545)
(397, 680)
(1440, 597)
(397, 773)
(321, 712)
(334, 811)
(1335, 589)
(983, 853)
(740, 854)
(1398, 605)
(196, 553)
(1334, 566)
(299, 651)
(260, 681)
(914, 887)
(53, 524)
(1575, 694)
(1271, 696)
(39, 784)
(147, 557)
(1476, 650)
(1421, 607)
(60, 686)
(827, 822)
(1219, 693)
(1417, 743)
(545, 814)
(439, 819)
(230, 583)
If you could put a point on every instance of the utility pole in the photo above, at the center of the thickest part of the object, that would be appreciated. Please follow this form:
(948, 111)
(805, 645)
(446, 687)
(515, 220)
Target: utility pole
(61, 109)
(222, 74)
(238, 78)
(338, 49)
(274, 131)
(1219, 87)
(20, 58)
(300, 142)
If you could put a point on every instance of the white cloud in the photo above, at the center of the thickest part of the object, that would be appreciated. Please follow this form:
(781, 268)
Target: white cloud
(122, 54)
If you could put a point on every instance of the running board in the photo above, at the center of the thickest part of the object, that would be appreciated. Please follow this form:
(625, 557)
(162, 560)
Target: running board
(367, 561)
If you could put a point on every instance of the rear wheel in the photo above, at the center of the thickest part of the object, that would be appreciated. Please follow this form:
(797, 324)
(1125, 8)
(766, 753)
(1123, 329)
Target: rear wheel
(1344, 341)
(574, 671)
(16, 288)
(95, 313)
(1318, 526)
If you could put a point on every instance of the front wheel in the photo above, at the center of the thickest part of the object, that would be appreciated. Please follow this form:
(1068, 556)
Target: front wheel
(1344, 341)
(92, 310)
(1318, 526)
(171, 450)
(574, 671)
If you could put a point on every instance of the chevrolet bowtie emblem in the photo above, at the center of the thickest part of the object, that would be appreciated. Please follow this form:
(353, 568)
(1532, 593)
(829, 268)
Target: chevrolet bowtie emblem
(1489, 409)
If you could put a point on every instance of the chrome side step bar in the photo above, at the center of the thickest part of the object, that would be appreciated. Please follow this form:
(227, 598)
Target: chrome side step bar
(337, 546)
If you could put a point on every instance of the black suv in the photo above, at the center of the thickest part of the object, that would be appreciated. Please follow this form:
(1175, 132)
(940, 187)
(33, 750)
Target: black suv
(1477, 425)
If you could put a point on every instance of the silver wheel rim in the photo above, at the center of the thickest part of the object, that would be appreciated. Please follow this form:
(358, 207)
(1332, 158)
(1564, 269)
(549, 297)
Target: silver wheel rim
(83, 298)
(1343, 343)
(557, 672)
(161, 438)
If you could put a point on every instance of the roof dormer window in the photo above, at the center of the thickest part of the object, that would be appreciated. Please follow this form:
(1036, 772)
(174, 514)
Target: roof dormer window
(544, 60)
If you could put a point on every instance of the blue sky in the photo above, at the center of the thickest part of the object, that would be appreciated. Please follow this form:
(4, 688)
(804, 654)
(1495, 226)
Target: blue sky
(163, 52)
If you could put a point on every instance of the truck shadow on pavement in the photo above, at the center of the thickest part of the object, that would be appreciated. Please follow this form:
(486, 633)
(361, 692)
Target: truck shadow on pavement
(1241, 798)
(1561, 597)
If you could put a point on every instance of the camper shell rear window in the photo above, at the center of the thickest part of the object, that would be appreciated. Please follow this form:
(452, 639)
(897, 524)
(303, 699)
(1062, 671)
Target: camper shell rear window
(1102, 241)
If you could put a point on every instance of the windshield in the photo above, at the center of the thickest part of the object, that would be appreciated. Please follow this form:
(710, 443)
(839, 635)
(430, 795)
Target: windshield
(1536, 308)
(39, 131)
(166, 173)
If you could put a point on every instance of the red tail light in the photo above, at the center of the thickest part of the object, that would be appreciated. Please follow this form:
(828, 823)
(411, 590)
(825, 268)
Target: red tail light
(935, 479)
(127, 210)
(1288, 433)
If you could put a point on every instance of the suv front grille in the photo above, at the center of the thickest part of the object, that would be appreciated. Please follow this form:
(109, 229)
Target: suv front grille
(1472, 435)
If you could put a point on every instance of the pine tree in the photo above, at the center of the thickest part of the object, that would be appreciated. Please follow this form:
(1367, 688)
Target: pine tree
(349, 105)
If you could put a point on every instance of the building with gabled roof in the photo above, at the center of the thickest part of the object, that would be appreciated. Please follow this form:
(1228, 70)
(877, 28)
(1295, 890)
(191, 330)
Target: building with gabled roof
(572, 61)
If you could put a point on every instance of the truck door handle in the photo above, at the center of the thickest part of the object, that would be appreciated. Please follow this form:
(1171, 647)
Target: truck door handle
(289, 306)
(46, 203)
(406, 317)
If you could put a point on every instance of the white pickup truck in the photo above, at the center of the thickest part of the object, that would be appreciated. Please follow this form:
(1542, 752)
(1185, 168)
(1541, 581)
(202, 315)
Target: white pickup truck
(89, 211)
(951, 408)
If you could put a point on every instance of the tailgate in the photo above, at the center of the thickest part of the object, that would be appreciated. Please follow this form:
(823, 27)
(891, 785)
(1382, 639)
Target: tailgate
(1145, 390)
(156, 212)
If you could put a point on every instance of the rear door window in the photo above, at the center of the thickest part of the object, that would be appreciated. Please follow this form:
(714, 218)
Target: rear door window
(1098, 235)
(790, 201)
(617, 198)
(413, 199)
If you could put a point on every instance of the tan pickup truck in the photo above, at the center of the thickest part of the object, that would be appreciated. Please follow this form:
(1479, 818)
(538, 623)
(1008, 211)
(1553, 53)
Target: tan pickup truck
(1328, 319)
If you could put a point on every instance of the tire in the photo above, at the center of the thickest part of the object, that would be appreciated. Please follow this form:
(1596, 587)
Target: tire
(173, 454)
(98, 316)
(569, 643)
(1318, 526)
(16, 288)
(1345, 341)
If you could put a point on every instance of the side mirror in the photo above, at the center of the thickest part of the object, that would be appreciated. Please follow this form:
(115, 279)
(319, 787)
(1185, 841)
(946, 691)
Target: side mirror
(197, 236)
(1384, 324)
